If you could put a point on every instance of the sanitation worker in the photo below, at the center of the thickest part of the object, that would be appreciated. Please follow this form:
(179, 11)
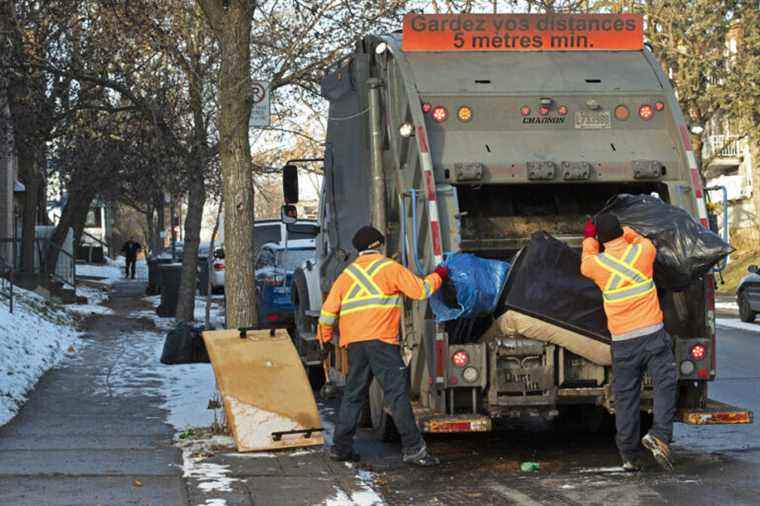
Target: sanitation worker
(639, 341)
(367, 297)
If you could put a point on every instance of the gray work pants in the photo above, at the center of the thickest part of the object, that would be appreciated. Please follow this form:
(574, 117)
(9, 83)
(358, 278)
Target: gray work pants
(383, 361)
(630, 359)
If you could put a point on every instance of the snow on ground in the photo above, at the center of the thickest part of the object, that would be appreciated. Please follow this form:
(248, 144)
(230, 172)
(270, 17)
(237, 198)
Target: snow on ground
(112, 270)
(738, 324)
(34, 338)
(364, 495)
(731, 306)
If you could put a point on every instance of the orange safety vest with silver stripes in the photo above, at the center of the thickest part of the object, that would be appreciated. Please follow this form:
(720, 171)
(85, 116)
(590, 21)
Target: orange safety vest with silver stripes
(368, 299)
(625, 282)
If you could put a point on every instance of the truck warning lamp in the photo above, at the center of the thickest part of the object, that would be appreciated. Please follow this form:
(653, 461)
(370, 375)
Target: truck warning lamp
(440, 114)
(460, 358)
(622, 113)
(646, 112)
(525, 110)
(464, 114)
(698, 352)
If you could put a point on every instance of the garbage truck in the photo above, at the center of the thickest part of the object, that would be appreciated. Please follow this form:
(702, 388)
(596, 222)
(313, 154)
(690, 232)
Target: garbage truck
(468, 133)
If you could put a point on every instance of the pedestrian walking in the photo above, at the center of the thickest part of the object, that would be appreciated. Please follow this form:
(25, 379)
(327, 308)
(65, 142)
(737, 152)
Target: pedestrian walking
(367, 297)
(130, 250)
(639, 340)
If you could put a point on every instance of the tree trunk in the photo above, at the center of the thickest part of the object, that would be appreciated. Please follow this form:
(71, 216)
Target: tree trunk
(74, 216)
(193, 222)
(27, 175)
(231, 21)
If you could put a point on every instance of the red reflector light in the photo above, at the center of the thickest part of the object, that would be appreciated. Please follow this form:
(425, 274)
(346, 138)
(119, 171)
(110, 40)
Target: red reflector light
(525, 110)
(460, 359)
(426, 108)
(659, 106)
(703, 373)
(543, 110)
(273, 317)
(646, 112)
(562, 110)
(698, 352)
(440, 114)
(622, 113)
(218, 267)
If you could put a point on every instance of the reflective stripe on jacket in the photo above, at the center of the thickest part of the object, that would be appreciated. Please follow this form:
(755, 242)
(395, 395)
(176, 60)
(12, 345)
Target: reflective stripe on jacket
(367, 299)
(624, 274)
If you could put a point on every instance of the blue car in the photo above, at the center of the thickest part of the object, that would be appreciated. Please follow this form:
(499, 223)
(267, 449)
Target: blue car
(275, 264)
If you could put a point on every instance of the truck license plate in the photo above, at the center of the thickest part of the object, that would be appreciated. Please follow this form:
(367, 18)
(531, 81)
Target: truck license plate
(592, 119)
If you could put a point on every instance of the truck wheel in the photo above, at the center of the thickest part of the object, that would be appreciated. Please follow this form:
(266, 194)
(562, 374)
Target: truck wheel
(745, 310)
(382, 422)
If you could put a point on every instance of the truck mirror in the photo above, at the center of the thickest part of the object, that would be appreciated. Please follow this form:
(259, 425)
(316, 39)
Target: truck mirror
(290, 184)
(289, 214)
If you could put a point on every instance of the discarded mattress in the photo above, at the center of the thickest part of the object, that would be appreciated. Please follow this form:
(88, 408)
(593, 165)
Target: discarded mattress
(514, 324)
(685, 249)
(472, 289)
(546, 282)
(267, 396)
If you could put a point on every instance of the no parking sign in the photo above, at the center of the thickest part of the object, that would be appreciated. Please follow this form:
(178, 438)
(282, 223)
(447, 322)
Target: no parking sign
(261, 109)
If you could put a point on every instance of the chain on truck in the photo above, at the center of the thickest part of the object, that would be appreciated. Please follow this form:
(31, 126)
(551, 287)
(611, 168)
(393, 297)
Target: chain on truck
(470, 133)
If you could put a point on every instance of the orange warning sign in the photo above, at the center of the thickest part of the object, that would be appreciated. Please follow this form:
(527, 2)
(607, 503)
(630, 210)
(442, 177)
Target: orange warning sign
(522, 32)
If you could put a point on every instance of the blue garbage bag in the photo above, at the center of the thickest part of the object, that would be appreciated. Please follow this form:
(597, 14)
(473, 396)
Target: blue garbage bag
(478, 283)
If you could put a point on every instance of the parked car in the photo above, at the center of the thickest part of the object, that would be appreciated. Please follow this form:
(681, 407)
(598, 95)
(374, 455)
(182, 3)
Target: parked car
(275, 264)
(265, 231)
(748, 295)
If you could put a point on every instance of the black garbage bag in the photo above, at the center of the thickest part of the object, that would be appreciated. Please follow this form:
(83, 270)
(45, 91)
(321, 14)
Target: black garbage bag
(685, 249)
(546, 282)
(184, 345)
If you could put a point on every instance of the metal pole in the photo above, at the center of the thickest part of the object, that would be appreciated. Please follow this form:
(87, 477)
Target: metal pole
(377, 209)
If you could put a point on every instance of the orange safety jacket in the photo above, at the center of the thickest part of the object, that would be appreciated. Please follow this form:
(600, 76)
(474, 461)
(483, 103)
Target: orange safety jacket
(366, 298)
(624, 274)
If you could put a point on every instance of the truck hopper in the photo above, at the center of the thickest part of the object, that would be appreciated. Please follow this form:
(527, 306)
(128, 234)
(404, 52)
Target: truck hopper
(267, 397)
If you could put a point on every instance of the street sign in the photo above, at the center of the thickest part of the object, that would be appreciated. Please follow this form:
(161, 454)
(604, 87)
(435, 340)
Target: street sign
(261, 109)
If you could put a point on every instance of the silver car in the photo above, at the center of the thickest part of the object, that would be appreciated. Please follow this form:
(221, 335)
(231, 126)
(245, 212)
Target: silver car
(748, 295)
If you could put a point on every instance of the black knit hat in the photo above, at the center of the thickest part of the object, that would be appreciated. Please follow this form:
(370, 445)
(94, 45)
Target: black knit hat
(368, 238)
(608, 227)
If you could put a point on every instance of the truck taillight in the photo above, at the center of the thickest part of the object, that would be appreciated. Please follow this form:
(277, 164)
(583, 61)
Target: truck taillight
(543, 110)
(646, 112)
(698, 352)
(460, 358)
(659, 106)
(464, 114)
(440, 114)
(525, 110)
(426, 107)
(562, 110)
(219, 267)
(622, 113)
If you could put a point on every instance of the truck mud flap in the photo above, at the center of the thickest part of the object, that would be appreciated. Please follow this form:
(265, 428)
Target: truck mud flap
(714, 413)
(266, 393)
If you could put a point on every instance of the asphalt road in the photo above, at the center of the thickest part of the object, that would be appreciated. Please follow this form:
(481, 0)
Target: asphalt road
(714, 465)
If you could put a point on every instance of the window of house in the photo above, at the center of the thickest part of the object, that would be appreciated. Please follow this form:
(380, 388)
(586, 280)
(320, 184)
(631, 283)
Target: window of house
(94, 218)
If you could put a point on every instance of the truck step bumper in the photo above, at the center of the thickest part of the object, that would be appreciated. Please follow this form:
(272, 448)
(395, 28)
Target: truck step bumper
(714, 413)
(454, 423)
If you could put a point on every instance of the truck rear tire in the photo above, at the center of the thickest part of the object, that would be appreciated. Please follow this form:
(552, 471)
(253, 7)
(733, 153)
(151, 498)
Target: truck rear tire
(382, 422)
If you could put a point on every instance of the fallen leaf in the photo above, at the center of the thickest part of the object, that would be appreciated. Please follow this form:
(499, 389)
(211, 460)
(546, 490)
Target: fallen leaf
(137, 483)
(72, 349)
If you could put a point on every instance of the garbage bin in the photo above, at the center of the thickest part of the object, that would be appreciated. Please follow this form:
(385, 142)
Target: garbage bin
(154, 274)
(171, 274)
(203, 275)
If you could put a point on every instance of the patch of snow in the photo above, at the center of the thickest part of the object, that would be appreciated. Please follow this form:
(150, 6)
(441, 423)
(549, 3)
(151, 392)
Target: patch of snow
(89, 309)
(364, 497)
(34, 338)
(727, 305)
(112, 271)
(737, 324)
(211, 477)
(253, 455)
(215, 502)
(617, 469)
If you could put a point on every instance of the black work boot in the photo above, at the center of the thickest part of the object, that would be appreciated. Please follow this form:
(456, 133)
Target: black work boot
(421, 457)
(660, 451)
(339, 456)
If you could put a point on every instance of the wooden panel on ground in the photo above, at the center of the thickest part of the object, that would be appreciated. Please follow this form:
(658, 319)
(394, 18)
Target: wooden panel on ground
(267, 397)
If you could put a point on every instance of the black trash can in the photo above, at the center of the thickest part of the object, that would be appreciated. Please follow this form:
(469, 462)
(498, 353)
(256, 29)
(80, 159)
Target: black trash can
(171, 274)
(203, 275)
(154, 274)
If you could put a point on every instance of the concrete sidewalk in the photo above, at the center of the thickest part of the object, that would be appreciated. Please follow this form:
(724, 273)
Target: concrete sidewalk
(94, 432)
